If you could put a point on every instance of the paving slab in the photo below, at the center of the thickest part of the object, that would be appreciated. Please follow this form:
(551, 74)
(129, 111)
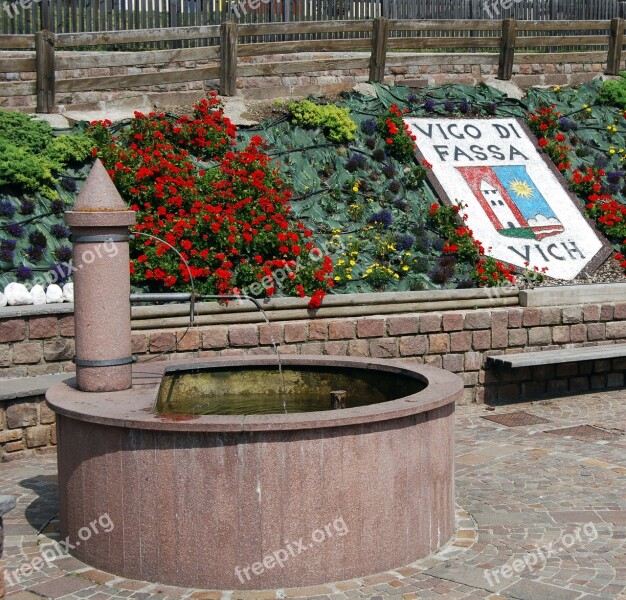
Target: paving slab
(525, 589)
(467, 575)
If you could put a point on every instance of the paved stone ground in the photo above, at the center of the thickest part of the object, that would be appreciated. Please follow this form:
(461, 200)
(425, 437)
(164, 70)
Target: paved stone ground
(557, 500)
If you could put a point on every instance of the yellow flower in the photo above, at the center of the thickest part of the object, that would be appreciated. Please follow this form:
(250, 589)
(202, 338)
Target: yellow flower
(348, 276)
(405, 268)
(611, 150)
(337, 278)
(396, 276)
(556, 88)
(355, 188)
(352, 263)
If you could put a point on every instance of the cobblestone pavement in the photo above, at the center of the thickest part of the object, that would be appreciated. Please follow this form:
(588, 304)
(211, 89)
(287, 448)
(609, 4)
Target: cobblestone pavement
(556, 500)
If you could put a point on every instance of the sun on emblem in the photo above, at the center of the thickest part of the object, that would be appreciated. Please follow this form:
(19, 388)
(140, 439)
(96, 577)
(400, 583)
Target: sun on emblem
(521, 189)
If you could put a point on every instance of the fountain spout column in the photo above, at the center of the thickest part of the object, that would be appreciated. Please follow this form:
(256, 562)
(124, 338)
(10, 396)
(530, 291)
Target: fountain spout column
(99, 221)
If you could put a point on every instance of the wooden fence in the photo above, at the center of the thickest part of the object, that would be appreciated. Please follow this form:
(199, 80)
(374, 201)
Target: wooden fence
(76, 16)
(603, 42)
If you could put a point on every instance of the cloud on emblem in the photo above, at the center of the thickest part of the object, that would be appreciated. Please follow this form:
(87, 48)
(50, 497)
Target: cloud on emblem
(540, 220)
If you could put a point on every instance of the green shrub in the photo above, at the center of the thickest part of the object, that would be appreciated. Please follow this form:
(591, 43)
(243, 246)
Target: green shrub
(31, 156)
(20, 168)
(613, 92)
(336, 122)
(25, 132)
(69, 149)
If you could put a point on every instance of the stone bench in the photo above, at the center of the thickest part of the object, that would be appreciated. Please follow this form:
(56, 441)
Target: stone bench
(526, 376)
(556, 357)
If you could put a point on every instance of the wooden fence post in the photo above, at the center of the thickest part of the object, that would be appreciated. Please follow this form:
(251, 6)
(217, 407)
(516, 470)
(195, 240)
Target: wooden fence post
(44, 65)
(379, 49)
(228, 58)
(173, 20)
(616, 40)
(507, 49)
(45, 15)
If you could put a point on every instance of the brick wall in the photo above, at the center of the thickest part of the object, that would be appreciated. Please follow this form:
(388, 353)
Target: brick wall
(421, 68)
(455, 340)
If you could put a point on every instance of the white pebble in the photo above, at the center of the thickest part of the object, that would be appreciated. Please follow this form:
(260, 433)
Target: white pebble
(54, 294)
(68, 292)
(38, 294)
(17, 294)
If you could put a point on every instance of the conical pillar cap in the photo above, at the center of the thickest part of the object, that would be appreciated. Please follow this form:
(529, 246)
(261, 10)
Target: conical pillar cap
(99, 204)
(99, 192)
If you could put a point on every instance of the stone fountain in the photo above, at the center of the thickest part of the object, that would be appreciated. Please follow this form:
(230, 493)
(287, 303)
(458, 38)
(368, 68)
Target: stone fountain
(204, 494)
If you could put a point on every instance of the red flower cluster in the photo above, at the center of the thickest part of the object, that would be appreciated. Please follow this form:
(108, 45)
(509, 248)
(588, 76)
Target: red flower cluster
(544, 121)
(460, 242)
(398, 136)
(588, 184)
(228, 220)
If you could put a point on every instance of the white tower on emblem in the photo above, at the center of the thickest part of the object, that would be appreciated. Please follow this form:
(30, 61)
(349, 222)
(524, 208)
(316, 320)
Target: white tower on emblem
(499, 206)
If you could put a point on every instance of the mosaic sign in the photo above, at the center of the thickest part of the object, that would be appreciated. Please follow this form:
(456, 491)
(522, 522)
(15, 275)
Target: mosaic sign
(518, 205)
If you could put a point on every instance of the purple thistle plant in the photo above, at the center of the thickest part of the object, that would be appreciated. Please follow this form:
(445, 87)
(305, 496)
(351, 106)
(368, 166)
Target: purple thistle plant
(63, 253)
(57, 206)
(395, 186)
(24, 273)
(384, 218)
(429, 105)
(27, 206)
(402, 205)
(369, 126)
(60, 231)
(15, 230)
(566, 124)
(34, 253)
(356, 162)
(62, 272)
(7, 209)
(378, 154)
(389, 170)
(36, 238)
(68, 184)
(405, 242)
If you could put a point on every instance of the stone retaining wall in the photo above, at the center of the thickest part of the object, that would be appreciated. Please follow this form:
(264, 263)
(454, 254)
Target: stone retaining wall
(455, 340)
(414, 68)
(26, 426)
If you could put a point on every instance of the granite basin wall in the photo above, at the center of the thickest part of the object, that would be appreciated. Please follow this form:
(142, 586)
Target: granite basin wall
(336, 494)
(417, 69)
(458, 341)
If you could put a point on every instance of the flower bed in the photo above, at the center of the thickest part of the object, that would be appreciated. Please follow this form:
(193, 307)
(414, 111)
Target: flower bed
(324, 198)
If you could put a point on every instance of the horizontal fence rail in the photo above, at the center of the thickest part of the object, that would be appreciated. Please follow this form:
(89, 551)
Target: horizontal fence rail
(78, 16)
(597, 41)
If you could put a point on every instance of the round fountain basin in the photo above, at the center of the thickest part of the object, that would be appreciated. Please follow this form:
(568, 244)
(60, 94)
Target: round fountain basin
(255, 501)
